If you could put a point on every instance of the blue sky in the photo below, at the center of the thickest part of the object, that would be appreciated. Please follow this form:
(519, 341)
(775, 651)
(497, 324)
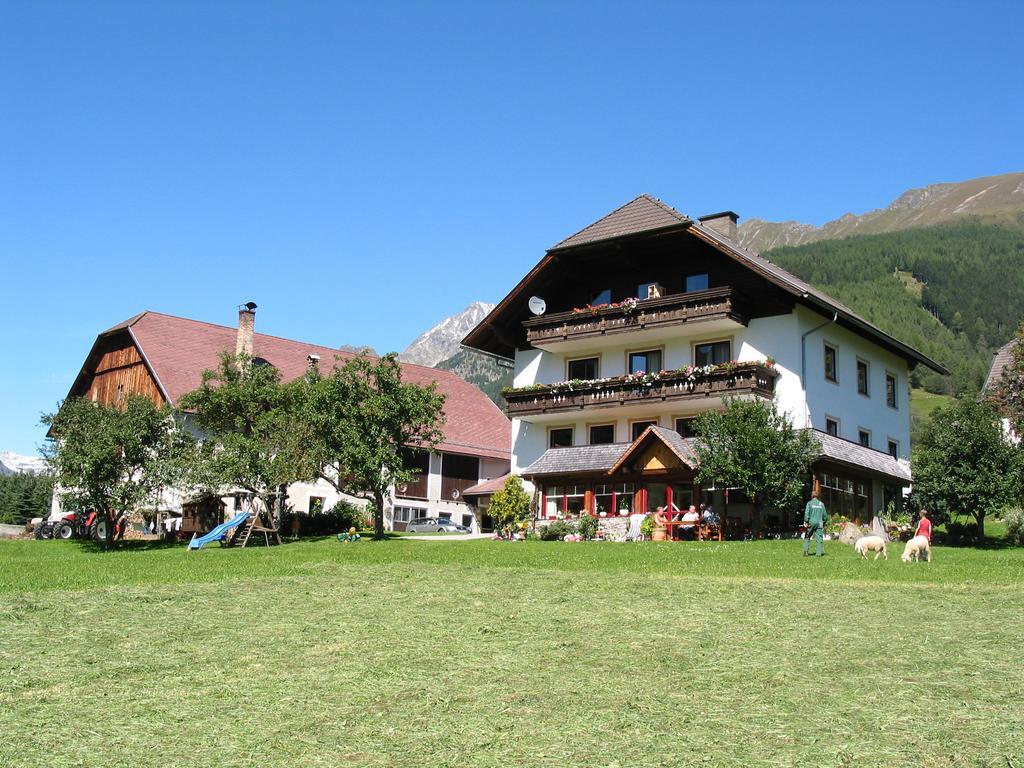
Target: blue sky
(362, 171)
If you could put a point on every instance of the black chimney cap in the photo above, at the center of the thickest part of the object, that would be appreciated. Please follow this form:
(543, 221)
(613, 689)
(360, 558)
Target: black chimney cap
(250, 305)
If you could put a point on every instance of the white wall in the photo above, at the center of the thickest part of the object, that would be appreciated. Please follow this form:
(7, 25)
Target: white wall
(778, 337)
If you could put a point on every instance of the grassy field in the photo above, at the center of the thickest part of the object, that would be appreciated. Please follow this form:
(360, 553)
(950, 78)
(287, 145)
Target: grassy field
(439, 653)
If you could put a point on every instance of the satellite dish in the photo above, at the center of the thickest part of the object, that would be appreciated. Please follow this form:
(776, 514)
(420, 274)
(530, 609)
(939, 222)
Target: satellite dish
(537, 305)
(455, 493)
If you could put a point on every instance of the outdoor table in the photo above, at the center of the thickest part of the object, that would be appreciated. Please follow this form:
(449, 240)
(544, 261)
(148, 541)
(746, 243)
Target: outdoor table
(703, 529)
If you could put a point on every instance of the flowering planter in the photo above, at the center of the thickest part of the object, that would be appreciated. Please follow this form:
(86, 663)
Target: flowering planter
(658, 533)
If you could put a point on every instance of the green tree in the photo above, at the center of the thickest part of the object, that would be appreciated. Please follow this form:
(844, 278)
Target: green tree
(751, 445)
(24, 496)
(112, 458)
(1008, 394)
(359, 422)
(251, 433)
(510, 505)
(964, 465)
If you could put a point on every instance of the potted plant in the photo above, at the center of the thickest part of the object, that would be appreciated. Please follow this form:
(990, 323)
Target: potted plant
(647, 528)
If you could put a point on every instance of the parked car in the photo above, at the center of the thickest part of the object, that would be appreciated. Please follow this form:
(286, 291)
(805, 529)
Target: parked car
(434, 525)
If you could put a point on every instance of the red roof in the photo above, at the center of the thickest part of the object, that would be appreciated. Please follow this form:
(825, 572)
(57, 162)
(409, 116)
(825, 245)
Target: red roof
(177, 351)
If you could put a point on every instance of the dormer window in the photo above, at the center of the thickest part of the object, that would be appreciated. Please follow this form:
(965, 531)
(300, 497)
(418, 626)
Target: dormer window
(601, 298)
(694, 283)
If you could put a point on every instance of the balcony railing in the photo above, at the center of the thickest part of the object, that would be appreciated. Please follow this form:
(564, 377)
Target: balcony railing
(687, 384)
(633, 314)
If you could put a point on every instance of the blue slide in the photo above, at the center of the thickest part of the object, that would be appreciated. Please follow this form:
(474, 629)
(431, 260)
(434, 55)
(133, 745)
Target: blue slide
(218, 533)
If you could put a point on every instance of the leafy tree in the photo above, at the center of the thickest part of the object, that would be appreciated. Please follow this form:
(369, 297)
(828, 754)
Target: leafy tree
(510, 505)
(251, 435)
(112, 458)
(751, 445)
(359, 422)
(964, 465)
(1008, 395)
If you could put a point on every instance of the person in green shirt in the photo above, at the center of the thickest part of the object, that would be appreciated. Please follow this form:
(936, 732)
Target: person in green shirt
(815, 517)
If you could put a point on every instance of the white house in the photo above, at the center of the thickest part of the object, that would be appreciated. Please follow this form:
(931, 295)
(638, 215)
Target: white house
(646, 318)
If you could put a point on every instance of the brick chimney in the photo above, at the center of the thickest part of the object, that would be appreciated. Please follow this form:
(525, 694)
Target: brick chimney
(312, 363)
(246, 326)
(723, 223)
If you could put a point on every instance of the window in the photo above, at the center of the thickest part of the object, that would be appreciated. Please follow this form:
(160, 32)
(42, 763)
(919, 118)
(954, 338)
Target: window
(864, 437)
(560, 437)
(444, 517)
(830, 364)
(575, 499)
(637, 428)
(696, 283)
(602, 434)
(602, 297)
(582, 369)
(894, 449)
(862, 377)
(603, 499)
(684, 426)
(554, 497)
(467, 521)
(890, 390)
(645, 362)
(624, 497)
(712, 353)
(316, 504)
(643, 290)
(832, 426)
(406, 514)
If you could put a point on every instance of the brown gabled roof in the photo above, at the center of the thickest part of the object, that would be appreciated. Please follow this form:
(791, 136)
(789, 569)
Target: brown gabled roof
(641, 214)
(177, 350)
(1000, 360)
(645, 214)
(681, 447)
(486, 487)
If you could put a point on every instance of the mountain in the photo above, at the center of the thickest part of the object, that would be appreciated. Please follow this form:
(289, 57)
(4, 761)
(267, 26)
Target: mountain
(442, 341)
(16, 464)
(990, 200)
(486, 373)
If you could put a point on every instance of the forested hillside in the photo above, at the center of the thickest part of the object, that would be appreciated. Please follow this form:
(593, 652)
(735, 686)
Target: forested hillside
(955, 291)
(483, 371)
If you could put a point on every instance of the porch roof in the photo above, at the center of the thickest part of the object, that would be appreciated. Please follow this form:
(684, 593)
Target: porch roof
(593, 459)
(577, 459)
(857, 456)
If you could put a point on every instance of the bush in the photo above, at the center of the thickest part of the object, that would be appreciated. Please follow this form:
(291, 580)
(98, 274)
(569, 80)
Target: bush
(338, 519)
(647, 527)
(588, 527)
(1014, 519)
(557, 530)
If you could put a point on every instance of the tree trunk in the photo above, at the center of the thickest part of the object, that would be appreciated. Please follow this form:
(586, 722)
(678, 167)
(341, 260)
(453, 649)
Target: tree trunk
(981, 527)
(378, 516)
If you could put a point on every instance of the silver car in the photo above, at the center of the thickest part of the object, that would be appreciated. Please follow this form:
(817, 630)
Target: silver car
(434, 525)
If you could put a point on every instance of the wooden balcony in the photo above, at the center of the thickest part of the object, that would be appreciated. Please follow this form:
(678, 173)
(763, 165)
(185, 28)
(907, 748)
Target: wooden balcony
(648, 314)
(756, 379)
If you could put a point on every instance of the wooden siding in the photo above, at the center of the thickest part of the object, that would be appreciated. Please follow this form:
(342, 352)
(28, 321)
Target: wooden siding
(115, 370)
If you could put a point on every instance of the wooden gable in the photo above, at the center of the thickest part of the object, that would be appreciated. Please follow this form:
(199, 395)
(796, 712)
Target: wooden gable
(115, 369)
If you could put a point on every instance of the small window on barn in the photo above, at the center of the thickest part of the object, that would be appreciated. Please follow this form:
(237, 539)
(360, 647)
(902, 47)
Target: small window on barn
(696, 283)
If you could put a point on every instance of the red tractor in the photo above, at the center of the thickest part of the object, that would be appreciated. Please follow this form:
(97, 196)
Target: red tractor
(77, 525)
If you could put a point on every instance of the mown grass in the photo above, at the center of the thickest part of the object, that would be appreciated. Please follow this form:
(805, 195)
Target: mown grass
(420, 653)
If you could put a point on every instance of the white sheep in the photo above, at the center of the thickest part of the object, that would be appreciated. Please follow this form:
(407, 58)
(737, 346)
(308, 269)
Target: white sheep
(875, 544)
(915, 548)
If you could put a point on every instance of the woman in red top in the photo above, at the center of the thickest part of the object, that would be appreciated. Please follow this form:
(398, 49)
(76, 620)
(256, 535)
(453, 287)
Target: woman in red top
(924, 526)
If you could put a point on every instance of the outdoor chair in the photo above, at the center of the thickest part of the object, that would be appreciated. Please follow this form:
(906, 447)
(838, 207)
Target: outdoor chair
(634, 534)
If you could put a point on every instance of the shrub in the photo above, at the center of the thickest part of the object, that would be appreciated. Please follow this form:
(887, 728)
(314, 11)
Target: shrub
(338, 519)
(1014, 519)
(647, 527)
(557, 530)
(588, 527)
